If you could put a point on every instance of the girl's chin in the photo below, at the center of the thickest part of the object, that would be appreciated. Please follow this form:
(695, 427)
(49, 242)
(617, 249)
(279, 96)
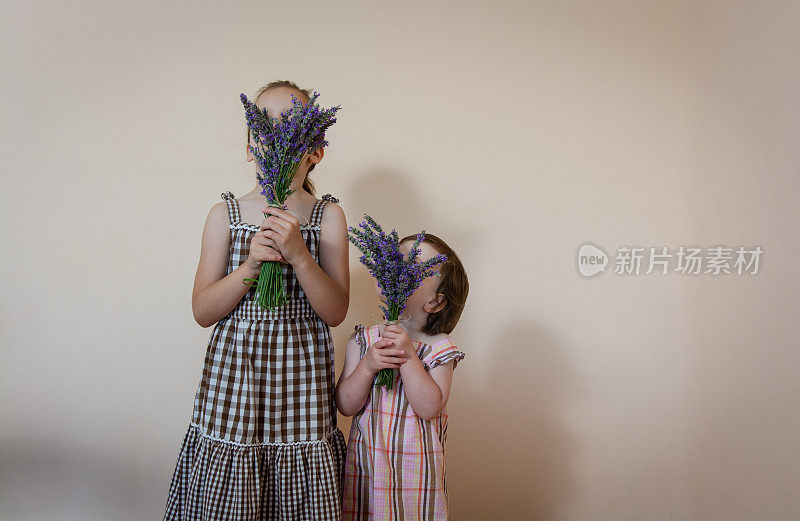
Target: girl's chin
(410, 315)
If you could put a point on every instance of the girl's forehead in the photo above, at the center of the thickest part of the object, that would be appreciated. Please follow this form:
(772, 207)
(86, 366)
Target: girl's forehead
(278, 100)
(426, 251)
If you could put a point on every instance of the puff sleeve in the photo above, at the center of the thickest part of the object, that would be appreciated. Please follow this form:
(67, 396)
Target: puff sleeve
(366, 336)
(441, 353)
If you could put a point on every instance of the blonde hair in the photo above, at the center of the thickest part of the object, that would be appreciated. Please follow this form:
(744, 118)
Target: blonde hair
(308, 184)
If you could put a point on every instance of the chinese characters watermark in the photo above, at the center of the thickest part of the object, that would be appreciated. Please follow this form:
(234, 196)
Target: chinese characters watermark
(686, 260)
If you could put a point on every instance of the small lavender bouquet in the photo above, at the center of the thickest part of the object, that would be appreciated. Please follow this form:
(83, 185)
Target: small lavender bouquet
(397, 276)
(280, 143)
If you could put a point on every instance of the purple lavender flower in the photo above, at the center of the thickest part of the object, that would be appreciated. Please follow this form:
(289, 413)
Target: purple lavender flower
(397, 276)
(279, 143)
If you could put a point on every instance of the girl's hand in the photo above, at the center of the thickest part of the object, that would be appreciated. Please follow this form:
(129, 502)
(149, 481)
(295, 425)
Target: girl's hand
(400, 339)
(381, 355)
(262, 249)
(284, 230)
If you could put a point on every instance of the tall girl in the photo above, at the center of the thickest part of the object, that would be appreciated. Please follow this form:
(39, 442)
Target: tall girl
(263, 442)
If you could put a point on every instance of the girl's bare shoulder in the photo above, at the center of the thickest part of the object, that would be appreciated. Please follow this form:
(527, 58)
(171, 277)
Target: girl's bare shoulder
(433, 340)
(216, 229)
(218, 214)
(333, 215)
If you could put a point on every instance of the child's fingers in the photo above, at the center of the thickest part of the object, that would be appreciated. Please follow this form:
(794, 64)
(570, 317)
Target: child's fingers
(275, 235)
(265, 223)
(265, 253)
(269, 257)
(271, 210)
(259, 241)
(395, 332)
(274, 253)
(280, 214)
(393, 357)
(380, 344)
(266, 241)
(387, 333)
(391, 362)
(275, 224)
(268, 244)
(272, 231)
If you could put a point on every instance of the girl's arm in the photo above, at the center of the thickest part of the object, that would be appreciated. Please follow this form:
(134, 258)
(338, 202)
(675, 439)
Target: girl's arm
(358, 374)
(215, 294)
(327, 284)
(427, 392)
(354, 383)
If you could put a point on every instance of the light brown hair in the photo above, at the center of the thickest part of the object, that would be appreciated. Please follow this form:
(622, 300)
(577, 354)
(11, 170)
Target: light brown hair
(308, 184)
(453, 284)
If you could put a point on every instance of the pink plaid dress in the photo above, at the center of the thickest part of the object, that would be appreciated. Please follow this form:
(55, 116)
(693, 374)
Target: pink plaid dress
(395, 464)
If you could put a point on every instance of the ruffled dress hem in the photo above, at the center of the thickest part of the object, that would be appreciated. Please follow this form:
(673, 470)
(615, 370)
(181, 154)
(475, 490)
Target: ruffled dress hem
(222, 479)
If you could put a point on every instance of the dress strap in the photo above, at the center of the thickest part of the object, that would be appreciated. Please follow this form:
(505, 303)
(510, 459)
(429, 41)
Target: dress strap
(316, 213)
(234, 215)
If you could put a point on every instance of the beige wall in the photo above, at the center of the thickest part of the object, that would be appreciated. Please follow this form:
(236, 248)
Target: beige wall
(515, 130)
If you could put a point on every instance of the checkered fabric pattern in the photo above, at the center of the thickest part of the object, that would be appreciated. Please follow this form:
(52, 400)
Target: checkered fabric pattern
(395, 464)
(263, 443)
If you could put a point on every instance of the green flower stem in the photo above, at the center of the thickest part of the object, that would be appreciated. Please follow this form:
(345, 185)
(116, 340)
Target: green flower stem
(385, 377)
(270, 286)
(270, 289)
(271, 292)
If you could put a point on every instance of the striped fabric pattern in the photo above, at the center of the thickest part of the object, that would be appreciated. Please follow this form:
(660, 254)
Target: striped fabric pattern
(395, 465)
(262, 443)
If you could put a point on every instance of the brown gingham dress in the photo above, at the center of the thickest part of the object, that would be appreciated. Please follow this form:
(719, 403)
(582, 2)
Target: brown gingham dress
(263, 443)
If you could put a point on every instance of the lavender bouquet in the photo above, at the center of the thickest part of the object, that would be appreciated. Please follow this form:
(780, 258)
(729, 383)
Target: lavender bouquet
(280, 143)
(397, 276)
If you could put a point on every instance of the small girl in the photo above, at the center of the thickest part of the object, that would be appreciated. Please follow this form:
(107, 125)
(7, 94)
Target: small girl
(263, 441)
(395, 465)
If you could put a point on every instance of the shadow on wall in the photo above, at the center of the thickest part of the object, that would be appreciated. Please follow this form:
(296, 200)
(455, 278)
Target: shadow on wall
(58, 481)
(509, 450)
